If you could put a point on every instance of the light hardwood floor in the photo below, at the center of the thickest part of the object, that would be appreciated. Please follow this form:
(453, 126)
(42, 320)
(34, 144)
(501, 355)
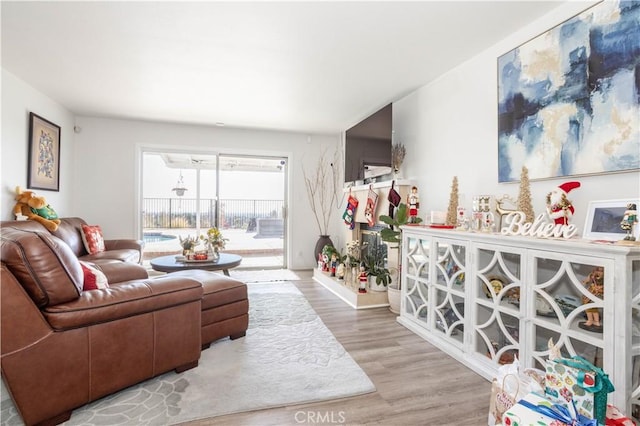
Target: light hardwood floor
(416, 383)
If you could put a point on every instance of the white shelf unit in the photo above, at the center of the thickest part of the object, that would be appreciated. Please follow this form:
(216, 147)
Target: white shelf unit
(349, 293)
(449, 299)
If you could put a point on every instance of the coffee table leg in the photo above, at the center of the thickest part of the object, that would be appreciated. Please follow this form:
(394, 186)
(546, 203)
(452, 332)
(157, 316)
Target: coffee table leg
(226, 272)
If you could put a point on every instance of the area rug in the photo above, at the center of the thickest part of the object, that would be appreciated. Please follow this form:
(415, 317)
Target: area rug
(264, 275)
(288, 357)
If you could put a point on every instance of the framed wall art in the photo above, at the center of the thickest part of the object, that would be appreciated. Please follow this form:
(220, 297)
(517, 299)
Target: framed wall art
(44, 154)
(604, 220)
(568, 100)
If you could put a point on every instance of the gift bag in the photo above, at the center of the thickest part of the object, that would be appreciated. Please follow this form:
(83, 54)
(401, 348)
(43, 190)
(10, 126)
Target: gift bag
(503, 396)
(578, 380)
(509, 386)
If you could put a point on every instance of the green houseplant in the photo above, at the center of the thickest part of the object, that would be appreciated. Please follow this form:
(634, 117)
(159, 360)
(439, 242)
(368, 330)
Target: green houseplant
(393, 235)
(376, 269)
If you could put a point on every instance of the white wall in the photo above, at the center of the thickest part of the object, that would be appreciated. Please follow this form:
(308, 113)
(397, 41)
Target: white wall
(107, 193)
(18, 100)
(449, 128)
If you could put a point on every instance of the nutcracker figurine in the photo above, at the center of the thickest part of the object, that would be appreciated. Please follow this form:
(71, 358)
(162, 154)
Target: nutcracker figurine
(363, 278)
(414, 204)
(629, 221)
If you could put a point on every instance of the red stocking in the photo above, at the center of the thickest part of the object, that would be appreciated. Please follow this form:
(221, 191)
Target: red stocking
(370, 210)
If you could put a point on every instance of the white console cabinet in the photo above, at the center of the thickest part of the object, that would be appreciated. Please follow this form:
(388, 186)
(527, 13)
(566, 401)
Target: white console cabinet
(484, 298)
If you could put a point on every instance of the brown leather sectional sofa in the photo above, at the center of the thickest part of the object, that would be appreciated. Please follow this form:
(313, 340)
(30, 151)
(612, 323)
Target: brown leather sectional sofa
(63, 347)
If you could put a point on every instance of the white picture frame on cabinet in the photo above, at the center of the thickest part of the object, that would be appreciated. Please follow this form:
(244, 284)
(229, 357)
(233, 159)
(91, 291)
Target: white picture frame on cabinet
(604, 218)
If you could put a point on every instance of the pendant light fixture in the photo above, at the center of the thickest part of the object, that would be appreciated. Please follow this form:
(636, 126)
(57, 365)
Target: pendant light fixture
(180, 188)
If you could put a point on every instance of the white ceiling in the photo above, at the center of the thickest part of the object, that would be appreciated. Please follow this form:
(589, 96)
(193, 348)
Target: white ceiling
(312, 67)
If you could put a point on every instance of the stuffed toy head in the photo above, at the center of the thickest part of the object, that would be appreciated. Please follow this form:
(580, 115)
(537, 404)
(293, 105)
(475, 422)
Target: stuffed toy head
(35, 208)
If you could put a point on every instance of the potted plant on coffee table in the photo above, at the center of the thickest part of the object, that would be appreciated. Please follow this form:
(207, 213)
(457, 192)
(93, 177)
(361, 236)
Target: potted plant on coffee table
(393, 235)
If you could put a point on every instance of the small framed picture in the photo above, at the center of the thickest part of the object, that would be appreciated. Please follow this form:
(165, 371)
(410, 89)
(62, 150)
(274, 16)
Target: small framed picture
(44, 154)
(605, 220)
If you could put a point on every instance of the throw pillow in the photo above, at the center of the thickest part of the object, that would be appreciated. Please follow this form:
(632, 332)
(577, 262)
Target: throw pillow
(92, 238)
(94, 279)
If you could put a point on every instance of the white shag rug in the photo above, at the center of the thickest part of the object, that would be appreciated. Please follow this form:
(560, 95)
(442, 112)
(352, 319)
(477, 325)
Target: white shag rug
(288, 357)
(264, 275)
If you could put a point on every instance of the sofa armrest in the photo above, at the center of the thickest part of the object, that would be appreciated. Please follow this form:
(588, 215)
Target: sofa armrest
(123, 300)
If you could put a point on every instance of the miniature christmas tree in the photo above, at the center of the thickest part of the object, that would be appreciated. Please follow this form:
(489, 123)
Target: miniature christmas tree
(524, 197)
(452, 212)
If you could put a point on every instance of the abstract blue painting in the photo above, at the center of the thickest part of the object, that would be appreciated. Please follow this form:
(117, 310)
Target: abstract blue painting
(569, 100)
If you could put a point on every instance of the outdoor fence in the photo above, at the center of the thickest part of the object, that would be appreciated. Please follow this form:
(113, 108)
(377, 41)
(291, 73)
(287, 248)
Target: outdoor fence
(181, 212)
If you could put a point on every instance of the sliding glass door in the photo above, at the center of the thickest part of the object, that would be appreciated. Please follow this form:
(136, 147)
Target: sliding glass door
(252, 194)
(184, 194)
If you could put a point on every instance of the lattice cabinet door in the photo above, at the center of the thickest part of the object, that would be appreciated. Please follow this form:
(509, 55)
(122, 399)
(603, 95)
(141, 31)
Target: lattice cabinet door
(486, 298)
(496, 317)
(415, 288)
(570, 300)
(448, 290)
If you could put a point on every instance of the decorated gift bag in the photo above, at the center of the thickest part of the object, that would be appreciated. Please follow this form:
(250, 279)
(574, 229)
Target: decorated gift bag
(503, 397)
(578, 380)
(509, 386)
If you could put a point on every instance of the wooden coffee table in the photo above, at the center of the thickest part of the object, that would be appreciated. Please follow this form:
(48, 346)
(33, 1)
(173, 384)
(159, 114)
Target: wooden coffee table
(170, 264)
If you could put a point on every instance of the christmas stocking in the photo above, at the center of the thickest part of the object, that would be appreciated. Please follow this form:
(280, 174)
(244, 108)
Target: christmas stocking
(393, 198)
(349, 213)
(370, 210)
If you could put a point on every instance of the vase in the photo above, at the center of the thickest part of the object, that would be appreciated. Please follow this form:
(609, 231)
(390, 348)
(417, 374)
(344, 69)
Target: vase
(374, 286)
(355, 275)
(323, 240)
(394, 293)
(213, 252)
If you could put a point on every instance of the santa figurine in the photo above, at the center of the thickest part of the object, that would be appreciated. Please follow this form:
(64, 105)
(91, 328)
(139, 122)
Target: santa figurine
(559, 207)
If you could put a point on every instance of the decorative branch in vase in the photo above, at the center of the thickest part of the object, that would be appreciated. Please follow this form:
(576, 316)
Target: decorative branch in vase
(322, 184)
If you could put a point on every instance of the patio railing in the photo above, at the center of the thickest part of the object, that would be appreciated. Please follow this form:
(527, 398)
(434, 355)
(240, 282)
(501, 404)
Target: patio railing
(181, 212)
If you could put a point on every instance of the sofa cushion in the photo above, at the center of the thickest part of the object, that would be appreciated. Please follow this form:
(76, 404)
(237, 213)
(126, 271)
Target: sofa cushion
(92, 238)
(45, 266)
(94, 279)
(117, 271)
(123, 300)
(70, 230)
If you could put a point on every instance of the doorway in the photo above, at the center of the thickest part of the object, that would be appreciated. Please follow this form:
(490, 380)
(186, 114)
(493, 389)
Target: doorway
(186, 193)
